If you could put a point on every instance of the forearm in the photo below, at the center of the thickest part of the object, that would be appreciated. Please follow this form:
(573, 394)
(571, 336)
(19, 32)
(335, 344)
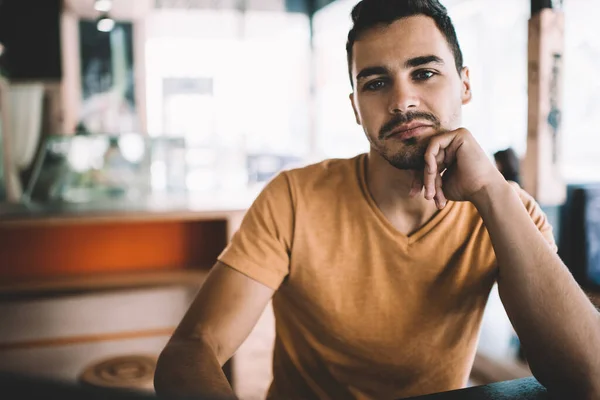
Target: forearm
(556, 323)
(190, 369)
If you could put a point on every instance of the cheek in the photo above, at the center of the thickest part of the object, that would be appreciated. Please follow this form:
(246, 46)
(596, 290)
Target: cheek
(447, 108)
(370, 113)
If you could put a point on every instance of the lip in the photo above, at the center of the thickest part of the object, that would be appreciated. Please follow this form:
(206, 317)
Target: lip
(408, 131)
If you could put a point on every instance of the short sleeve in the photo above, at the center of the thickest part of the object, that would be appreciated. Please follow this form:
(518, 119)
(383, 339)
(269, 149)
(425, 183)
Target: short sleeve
(261, 247)
(537, 215)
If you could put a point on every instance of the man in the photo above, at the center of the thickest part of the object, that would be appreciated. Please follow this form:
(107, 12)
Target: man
(380, 266)
(508, 164)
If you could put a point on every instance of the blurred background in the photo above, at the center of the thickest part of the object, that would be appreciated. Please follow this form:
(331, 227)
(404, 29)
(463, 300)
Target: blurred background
(135, 134)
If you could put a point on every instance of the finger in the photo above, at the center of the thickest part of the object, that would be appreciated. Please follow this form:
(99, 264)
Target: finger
(441, 167)
(440, 159)
(440, 149)
(429, 175)
(436, 158)
(440, 198)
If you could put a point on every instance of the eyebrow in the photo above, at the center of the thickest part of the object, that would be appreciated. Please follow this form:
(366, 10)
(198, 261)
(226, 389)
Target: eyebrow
(422, 60)
(410, 63)
(366, 72)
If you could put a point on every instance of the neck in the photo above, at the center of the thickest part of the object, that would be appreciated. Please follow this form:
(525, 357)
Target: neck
(390, 188)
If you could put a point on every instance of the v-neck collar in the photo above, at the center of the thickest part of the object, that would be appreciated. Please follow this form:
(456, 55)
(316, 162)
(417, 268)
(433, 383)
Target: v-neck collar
(415, 236)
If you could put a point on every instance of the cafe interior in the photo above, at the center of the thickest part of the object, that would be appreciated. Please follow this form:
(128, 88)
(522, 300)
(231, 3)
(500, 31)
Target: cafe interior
(134, 135)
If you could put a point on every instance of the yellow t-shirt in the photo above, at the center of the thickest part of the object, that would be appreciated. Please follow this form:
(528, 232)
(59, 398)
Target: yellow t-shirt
(363, 311)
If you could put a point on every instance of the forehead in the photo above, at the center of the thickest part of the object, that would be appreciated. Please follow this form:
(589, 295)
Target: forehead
(406, 38)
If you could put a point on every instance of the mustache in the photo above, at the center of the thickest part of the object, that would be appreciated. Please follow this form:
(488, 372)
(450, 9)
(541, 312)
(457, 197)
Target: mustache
(405, 118)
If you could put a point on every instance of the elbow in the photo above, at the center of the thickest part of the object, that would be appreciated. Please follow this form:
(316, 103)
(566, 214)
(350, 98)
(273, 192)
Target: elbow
(577, 376)
(589, 390)
(163, 374)
(169, 375)
(591, 395)
(198, 378)
(591, 385)
(187, 366)
(585, 386)
(591, 378)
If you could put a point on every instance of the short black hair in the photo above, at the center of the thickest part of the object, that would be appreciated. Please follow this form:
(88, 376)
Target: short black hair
(370, 13)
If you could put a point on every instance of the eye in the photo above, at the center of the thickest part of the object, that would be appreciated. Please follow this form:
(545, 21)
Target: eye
(423, 75)
(374, 85)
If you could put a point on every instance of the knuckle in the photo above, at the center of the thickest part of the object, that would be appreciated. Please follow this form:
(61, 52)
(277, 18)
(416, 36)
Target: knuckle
(464, 132)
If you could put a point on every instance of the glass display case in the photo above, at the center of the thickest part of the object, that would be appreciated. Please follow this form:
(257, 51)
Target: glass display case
(132, 168)
(96, 168)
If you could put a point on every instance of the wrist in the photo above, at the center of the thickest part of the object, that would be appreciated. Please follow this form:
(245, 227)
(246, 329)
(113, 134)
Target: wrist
(490, 193)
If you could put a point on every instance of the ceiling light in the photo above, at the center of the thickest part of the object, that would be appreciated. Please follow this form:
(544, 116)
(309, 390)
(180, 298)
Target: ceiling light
(103, 5)
(105, 23)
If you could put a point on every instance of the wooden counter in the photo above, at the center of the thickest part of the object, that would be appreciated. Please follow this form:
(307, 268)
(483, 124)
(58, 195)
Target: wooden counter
(156, 208)
(40, 242)
(104, 279)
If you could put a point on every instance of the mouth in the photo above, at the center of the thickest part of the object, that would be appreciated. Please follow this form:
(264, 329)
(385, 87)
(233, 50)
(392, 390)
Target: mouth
(408, 131)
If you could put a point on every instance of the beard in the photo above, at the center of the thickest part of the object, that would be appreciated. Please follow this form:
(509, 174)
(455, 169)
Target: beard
(411, 157)
(411, 154)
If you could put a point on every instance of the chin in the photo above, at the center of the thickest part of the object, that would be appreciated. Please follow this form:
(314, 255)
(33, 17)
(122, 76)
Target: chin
(411, 158)
(407, 164)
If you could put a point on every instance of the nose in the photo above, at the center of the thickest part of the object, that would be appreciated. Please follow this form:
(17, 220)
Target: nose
(403, 98)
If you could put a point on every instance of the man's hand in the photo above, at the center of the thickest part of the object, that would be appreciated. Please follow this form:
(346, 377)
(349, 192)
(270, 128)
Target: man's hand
(456, 168)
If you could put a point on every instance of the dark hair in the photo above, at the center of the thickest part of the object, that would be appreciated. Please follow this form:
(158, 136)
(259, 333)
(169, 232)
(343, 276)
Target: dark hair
(509, 165)
(370, 13)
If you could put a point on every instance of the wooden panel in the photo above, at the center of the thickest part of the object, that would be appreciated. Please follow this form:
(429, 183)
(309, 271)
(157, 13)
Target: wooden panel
(72, 249)
(80, 284)
(71, 340)
(541, 166)
(46, 320)
(90, 214)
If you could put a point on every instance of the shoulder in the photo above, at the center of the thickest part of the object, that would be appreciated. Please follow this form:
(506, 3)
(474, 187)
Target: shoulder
(314, 181)
(328, 175)
(326, 169)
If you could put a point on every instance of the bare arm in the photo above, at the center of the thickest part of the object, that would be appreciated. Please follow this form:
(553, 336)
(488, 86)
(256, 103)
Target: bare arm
(222, 315)
(557, 324)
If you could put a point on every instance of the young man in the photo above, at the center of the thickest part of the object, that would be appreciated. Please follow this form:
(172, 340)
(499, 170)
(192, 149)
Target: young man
(380, 266)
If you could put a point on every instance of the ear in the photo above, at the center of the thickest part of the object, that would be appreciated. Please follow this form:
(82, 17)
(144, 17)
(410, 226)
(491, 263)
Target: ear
(466, 94)
(351, 96)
